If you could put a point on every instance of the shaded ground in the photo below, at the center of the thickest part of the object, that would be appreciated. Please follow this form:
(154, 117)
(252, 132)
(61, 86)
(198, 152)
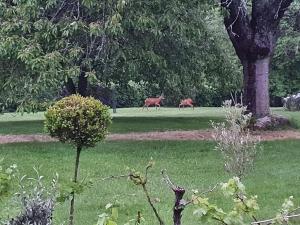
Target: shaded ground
(166, 135)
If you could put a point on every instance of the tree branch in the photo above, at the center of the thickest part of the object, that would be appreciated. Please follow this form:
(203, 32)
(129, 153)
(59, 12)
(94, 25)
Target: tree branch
(180, 203)
(270, 221)
(237, 23)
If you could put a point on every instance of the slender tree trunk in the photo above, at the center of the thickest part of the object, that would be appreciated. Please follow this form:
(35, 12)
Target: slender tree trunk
(256, 86)
(178, 207)
(114, 100)
(71, 218)
(82, 84)
(161, 222)
(70, 86)
(297, 23)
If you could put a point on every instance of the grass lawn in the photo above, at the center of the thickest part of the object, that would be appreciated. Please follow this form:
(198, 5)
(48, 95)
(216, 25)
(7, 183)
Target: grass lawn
(125, 120)
(194, 165)
(136, 120)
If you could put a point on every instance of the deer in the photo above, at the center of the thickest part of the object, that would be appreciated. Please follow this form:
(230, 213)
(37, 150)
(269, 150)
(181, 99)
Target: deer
(186, 102)
(153, 101)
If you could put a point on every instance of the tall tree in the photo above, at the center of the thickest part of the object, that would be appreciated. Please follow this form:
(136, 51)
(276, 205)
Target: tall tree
(45, 43)
(166, 44)
(285, 72)
(253, 28)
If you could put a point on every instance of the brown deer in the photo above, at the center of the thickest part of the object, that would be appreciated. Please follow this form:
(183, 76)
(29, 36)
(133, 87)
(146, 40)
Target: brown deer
(153, 101)
(186, 102)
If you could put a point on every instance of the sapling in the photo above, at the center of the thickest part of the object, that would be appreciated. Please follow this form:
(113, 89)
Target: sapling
(141, 179)
(234, 140)
(81, 121)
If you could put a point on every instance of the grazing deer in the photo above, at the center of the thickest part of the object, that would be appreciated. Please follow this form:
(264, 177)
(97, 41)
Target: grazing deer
(186, 102)
(153, 101)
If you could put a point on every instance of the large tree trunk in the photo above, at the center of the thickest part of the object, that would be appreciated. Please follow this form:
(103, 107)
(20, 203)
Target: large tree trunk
(253, 34)
(256, 86)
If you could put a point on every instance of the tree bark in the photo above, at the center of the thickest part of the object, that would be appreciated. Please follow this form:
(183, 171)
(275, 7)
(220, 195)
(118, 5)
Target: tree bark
(71, 218)
(114, 100)
(256, 86)
(178, 206)
(82, 84)
(70, 86)
(254, 34)
(297, 22)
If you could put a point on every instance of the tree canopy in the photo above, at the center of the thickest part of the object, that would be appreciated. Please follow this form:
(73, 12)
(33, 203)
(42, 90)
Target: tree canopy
(180, 48)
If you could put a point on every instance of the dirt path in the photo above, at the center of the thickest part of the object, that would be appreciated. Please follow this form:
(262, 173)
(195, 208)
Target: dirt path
(166, 135)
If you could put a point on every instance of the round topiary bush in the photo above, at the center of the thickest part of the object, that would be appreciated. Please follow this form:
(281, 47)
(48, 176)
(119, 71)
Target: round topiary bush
(82, 121)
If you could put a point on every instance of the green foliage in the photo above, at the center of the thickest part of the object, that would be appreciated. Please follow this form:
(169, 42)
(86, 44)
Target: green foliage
(46, 43)
(178, 47)
(33, 203)
(234, 140)
(108, 218)
(285, 75)
(78, 120)
(243, 207)
(6, 175)
(65, 190)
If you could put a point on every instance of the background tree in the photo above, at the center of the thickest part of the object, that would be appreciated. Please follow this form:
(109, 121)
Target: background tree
(180, 48)
(141, 48)
(253, 28)
(47, 43)
(285, 68)
(165, 45)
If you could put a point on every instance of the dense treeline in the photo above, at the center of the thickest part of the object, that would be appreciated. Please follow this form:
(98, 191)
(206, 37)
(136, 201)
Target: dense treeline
(285, 71)
(49, 49)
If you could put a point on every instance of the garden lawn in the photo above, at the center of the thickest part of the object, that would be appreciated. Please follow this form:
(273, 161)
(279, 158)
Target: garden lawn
(190, 164)
(136, 120)
(126, 120)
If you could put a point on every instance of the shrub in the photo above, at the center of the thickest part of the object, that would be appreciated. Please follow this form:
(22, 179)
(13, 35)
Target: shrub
(78, 120)
(234, 141)
(37, 201)
(81, 121)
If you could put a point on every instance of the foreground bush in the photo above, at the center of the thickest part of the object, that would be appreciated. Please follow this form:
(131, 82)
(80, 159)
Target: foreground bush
(81, 121)
(234, 140)
(37, 202)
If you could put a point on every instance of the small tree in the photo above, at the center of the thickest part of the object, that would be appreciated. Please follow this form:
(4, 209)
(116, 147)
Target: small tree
(81, 121)
(234, 140)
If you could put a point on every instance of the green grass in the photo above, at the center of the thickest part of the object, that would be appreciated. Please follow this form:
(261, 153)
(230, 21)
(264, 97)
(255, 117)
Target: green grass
(136, 120)
(125, 120)
(193, 165)
(293, 116)
(130, 112)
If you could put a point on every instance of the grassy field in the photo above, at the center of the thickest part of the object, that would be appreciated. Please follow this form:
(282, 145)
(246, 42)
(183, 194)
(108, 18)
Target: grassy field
(136, 120)
(193, 165)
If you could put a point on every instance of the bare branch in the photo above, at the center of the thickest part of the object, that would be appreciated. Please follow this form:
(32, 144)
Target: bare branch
(58, 10)
(167, 180)
(180, 203)
(270, 221)
(116, 177)
(161, 222)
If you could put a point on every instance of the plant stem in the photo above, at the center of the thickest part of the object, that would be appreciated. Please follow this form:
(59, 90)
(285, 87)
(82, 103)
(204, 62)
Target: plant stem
(161, 222)
(71, 218)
